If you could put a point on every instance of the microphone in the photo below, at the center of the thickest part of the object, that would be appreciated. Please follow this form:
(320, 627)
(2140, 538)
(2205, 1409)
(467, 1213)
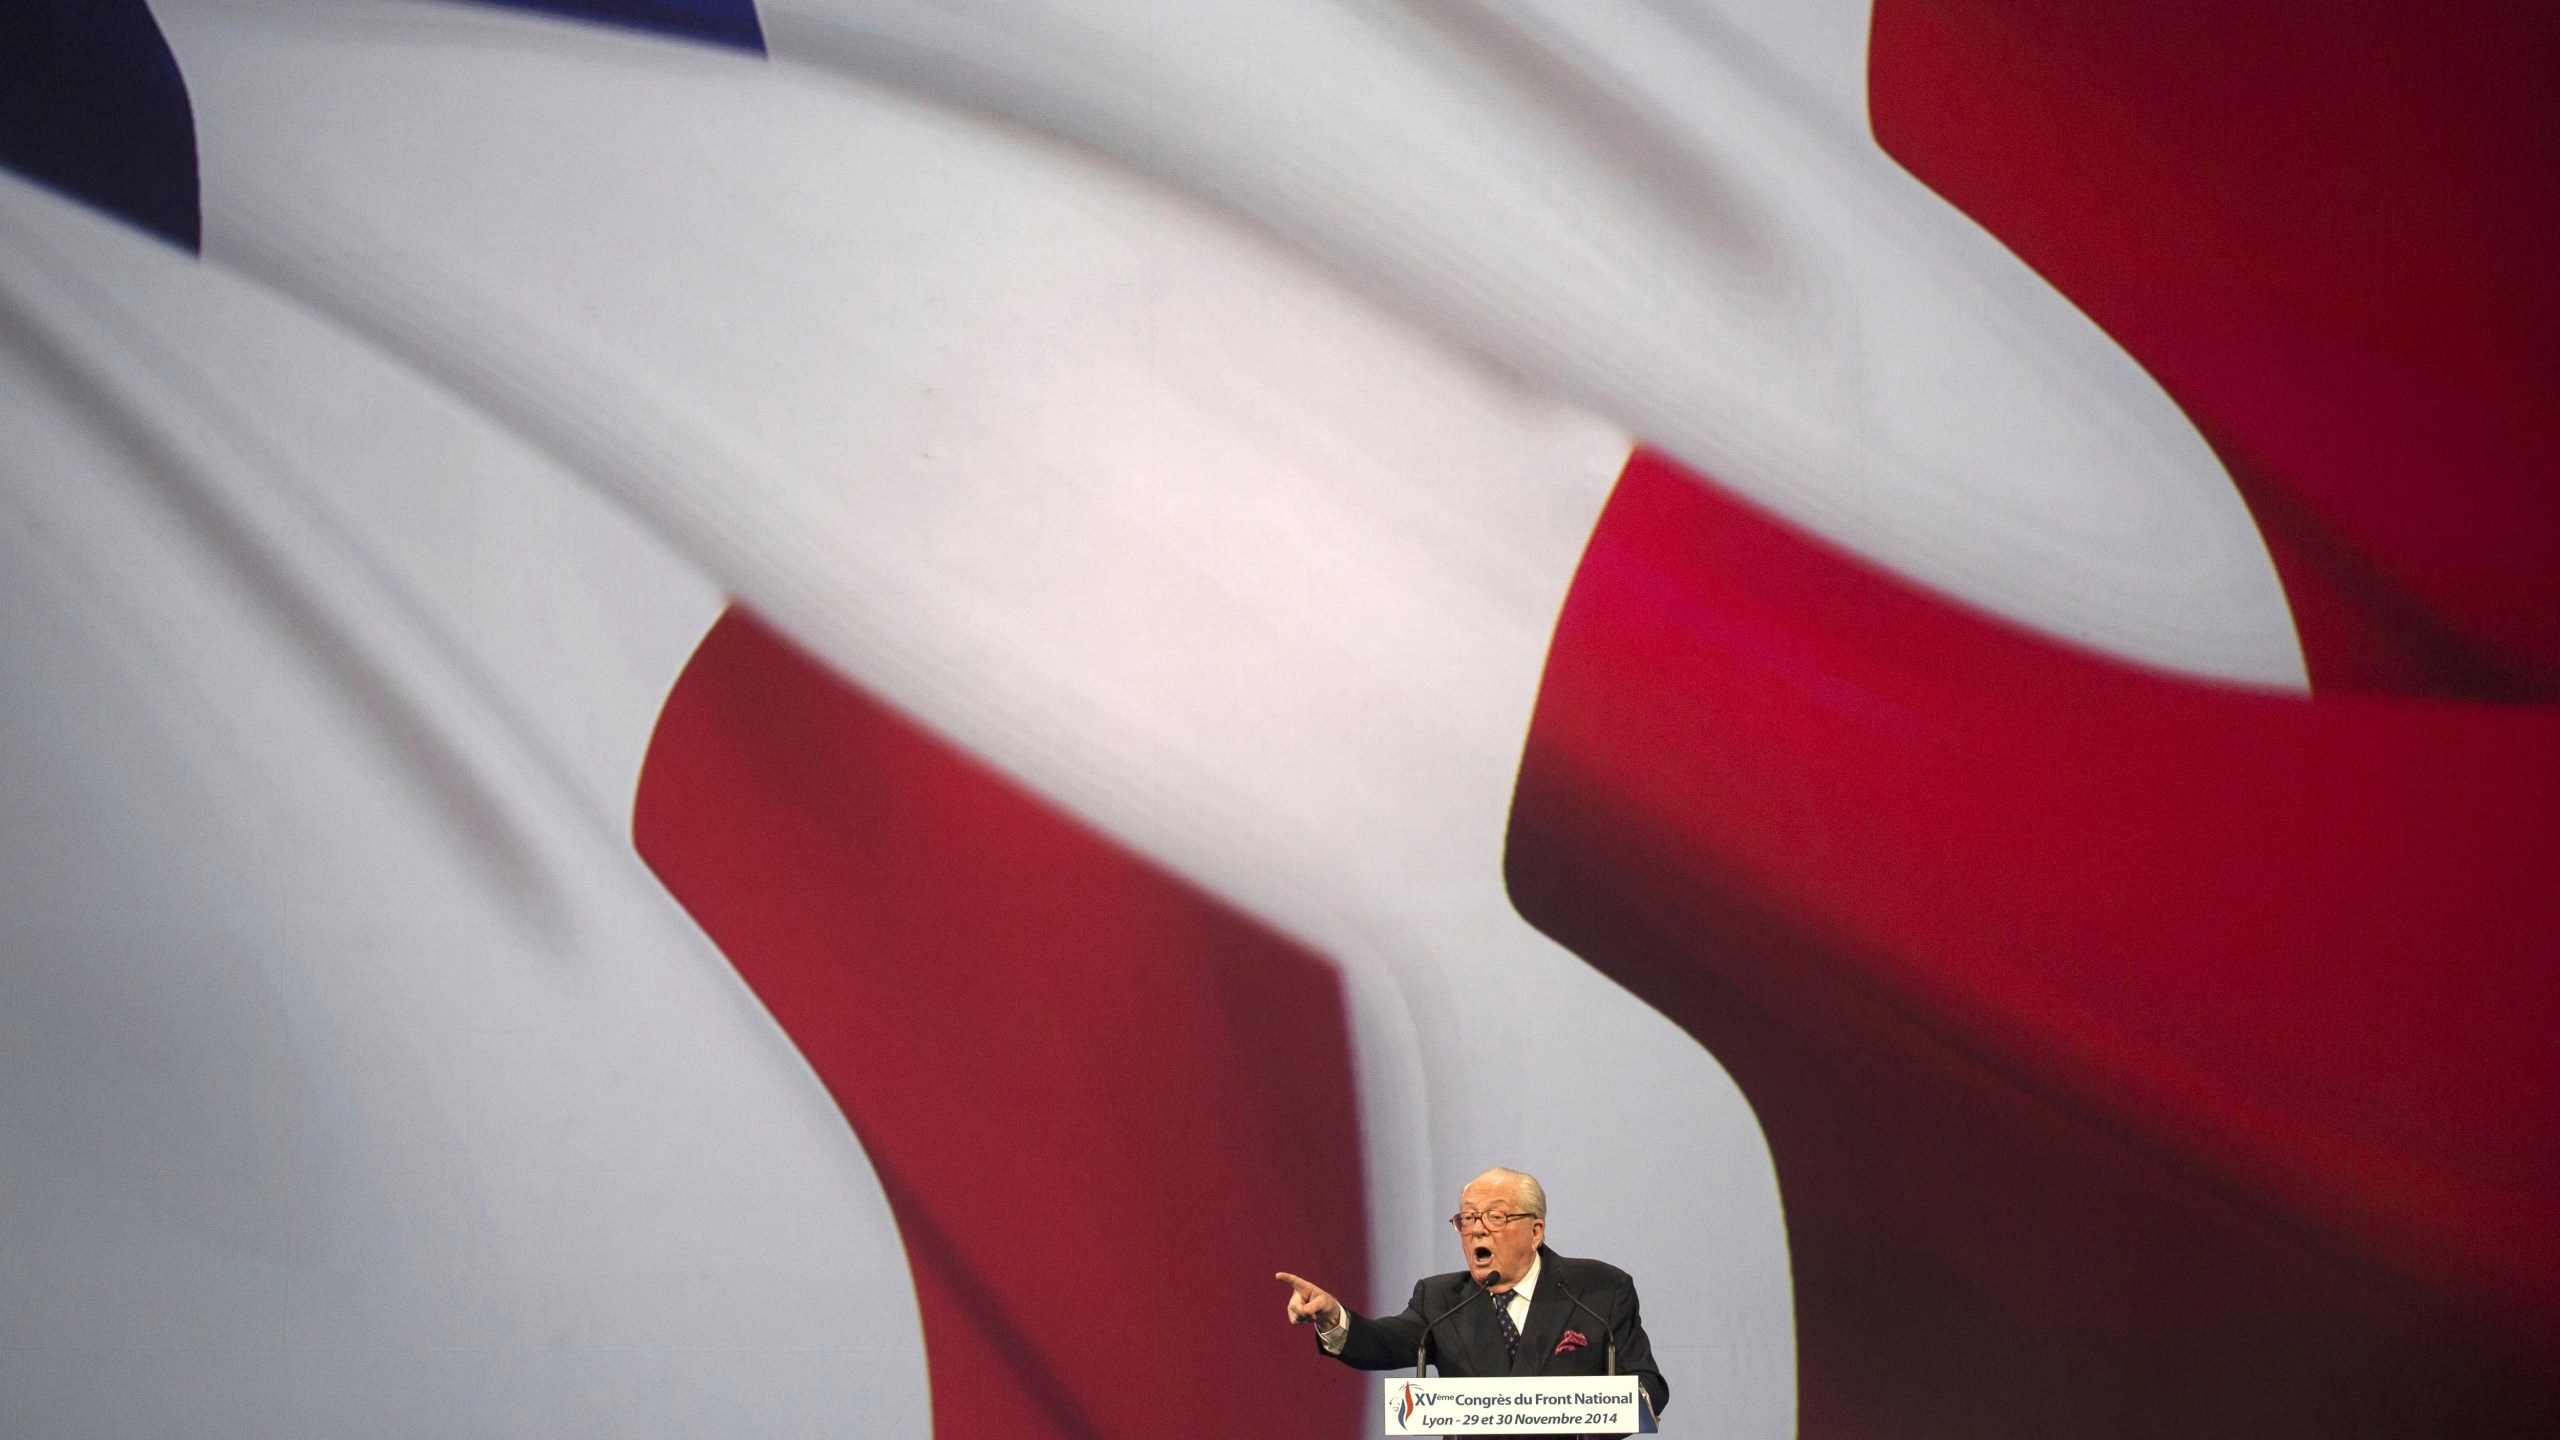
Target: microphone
(1422, 1347)
(1605, 1327)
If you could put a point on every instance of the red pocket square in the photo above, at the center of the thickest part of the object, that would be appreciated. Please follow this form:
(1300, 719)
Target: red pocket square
(1573, 1340)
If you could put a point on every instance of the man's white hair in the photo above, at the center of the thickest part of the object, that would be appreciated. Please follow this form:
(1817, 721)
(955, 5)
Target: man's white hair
(1532, 1194)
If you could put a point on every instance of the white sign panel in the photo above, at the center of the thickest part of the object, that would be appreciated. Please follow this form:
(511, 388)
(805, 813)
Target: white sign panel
(1517, 1407)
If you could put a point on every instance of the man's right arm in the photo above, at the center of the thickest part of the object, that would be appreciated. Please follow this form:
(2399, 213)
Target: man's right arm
(1350, 1337)
(1385, 1343)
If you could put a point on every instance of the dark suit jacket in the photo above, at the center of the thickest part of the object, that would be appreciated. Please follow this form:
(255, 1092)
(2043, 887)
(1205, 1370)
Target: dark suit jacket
(1470, 1341)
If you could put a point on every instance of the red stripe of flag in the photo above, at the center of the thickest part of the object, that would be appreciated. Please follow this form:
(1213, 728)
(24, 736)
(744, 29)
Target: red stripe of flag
(2137, 1056)
(1099, 1101)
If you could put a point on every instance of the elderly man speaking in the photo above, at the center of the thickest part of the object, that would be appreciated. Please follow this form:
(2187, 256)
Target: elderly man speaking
(1518, 1308)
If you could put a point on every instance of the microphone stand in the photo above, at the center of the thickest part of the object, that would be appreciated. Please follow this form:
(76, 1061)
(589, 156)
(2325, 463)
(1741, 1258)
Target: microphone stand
(1422, 1347)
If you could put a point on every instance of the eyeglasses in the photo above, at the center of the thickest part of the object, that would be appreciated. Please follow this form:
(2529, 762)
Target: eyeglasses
(1466, 1220)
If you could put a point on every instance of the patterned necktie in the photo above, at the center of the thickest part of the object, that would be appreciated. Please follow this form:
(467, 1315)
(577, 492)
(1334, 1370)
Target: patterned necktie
(1510, 1332)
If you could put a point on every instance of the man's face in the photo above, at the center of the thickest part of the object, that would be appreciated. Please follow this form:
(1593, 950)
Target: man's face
(1505, 1251)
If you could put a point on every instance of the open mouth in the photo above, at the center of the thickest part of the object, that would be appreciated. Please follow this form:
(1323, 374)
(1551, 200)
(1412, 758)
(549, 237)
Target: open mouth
(1483, 1253)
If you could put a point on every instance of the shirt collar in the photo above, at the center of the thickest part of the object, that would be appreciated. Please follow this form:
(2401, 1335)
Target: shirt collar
(1526, 1287)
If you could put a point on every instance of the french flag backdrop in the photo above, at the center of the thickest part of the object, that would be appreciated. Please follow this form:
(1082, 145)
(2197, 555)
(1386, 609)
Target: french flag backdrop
(794, 717)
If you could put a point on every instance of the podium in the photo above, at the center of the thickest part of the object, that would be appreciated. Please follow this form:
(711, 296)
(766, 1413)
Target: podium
(1562, 1405)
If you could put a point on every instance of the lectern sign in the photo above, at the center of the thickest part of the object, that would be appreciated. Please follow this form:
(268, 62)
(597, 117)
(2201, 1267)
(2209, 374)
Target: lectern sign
(1565, 1405)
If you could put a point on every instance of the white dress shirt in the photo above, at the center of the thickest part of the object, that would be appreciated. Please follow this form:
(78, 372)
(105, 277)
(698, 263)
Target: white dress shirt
(1516, 1299)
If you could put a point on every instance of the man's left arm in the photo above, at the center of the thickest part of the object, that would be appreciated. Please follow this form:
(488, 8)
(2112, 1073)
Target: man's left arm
(1635, 1350)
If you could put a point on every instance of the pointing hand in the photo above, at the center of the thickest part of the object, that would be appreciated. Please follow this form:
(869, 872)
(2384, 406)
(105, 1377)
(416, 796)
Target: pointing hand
(1307, 1301)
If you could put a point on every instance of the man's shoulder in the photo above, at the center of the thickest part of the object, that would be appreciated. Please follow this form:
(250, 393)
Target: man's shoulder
(1585, 1274)
(1433, 1294)
(1449, 1283)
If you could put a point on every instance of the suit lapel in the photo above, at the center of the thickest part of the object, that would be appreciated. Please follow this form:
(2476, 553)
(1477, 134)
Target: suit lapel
(1545, 1325)
(1482, 1335)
